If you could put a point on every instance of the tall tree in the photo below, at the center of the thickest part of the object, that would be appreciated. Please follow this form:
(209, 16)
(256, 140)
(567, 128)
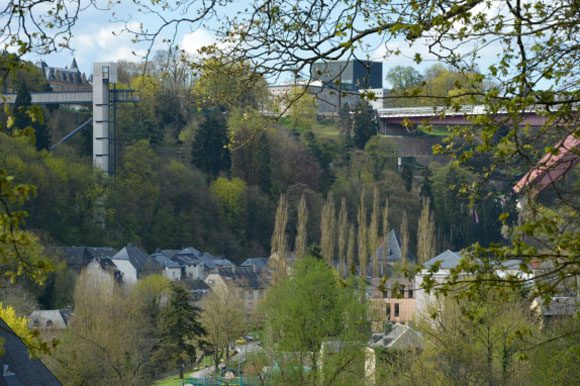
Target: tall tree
(366, 124)
(385, 234)
(407, 171)
(425, 188)
(342, 235)
(403, 77)
(362, 235)
(26, 116)
(279, 241)
(180, 326)
(345, 124)
(222, 319)
(328, 229)
(374, 231)
(301, 232)
(210, 152)
(349, 269)
(425, 233)
(404, 232)
(299, 301)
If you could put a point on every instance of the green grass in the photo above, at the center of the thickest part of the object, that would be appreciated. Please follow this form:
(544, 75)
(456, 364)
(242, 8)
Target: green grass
(171, 381)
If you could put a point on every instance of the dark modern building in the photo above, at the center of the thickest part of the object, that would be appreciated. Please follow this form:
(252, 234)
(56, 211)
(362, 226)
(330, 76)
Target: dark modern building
(352, 74)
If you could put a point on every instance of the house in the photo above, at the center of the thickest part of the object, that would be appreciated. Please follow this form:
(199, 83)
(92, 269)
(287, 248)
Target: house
(171, 269)
(190, 260)
(17, 368)
(447, 261)
(50, 319)
(78, 258)
(393, 255)
(258, 263)
(397, 336)
(245, 282)
(392, 301)
(134, 264)
(198, 289)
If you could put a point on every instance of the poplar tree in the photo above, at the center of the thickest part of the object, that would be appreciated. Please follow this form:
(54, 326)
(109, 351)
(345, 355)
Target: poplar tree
(342, 234)
(349, 269)
(301, 236)
(362, 235)
(386, 233)
(374, 231)
(425, 232)
(404, 230)
(279, 242)
(328, 229)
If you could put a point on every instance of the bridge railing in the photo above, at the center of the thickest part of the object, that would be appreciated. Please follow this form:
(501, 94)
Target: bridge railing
(433, 111)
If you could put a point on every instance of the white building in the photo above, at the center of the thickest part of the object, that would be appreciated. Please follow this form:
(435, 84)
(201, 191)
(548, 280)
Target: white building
(134, 264)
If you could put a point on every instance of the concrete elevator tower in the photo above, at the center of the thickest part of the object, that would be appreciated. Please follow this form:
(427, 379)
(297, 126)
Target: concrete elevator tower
(104, 76)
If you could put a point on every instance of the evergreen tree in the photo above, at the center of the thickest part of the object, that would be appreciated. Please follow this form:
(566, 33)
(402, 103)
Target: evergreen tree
(425, 188)
(407, 168)
(366, 124)
(22, 119)
(263, 168)
(180, 326)
(301, 236)
(209, 151)
(425, 233)
(342, 234)
(345, 126)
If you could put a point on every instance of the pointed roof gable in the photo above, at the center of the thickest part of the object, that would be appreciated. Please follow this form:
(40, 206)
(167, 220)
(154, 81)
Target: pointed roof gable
(139, 259)
(448, 260)
(74, 65)
(16, 367)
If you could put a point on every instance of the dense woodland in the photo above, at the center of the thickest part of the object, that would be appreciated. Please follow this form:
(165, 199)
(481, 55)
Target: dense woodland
(185, 161)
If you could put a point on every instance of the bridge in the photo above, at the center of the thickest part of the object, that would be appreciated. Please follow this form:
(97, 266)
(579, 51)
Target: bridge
(394, 118)
(104, 99)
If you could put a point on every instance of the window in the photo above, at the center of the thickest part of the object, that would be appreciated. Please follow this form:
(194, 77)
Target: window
(49, 323)
(36, 323)
(388, 309)
(410, 294)
(105, 72)
(396, 310)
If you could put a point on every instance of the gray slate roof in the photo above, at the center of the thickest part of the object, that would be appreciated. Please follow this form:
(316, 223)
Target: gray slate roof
(257, 262)
(400, 337)
(139, 259)
(244, 277)
(16, 367)
(448, 260)
(80, 257)
(165, 261)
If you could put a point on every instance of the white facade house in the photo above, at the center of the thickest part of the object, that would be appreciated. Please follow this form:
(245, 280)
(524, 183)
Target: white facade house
(135, 264)
(49, 319)
(449, 260)
(171, 269)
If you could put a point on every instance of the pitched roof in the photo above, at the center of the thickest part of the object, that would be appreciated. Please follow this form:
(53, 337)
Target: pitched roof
(79, 257)
(190, 251)
(394, 248)
(401, 336)
(244, 277)
(448, 260)
(17, 369)
(257, 262)
(165, 261)
(55, 316)
(139, 259)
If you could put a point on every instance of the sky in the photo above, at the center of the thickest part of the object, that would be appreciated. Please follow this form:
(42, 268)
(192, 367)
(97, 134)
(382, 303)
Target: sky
(98, 36)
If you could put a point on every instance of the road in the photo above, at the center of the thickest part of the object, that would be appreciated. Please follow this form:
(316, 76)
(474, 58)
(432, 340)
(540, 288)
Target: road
(241, 356)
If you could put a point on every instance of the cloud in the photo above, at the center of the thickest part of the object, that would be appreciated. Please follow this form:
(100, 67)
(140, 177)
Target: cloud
(194, 41)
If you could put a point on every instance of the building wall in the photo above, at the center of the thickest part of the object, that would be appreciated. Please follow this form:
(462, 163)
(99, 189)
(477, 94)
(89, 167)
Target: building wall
(383, 310)
(129, 272)
(172, 273)
(194, 271)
